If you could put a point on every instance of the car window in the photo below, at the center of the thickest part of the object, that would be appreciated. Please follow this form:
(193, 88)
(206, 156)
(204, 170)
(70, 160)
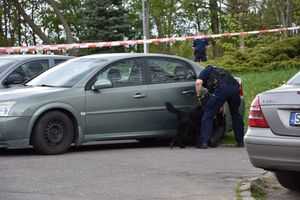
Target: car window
(31, 69)
(57, 61)
(123, 73)
(169, 70)
(5, 63)
(67, 74)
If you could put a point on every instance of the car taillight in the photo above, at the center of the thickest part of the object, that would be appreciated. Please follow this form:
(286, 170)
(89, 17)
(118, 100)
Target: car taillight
(241, 90)
(256, 117)
(241, 86)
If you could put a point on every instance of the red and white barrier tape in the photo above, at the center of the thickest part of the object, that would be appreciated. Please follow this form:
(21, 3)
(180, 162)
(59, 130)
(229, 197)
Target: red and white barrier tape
(23, 49)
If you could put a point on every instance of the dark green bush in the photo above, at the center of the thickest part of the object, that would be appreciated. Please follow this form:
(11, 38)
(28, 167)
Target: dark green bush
(279, 55)
(282, 57)
(293, 63)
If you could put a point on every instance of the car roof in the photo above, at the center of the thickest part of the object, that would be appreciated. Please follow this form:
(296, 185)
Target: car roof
(29, 56)
(112, 56)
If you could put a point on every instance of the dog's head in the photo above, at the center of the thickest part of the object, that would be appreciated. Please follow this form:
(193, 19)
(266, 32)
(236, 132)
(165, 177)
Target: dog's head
(202, 102)
(204, 99)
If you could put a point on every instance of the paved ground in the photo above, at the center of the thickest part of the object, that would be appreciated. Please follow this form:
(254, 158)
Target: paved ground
(127, 171)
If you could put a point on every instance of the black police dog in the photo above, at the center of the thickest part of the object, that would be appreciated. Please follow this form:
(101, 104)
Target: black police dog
(189, 123)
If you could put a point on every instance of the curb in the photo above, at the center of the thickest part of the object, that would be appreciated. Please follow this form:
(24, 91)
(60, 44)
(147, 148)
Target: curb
(245, 186)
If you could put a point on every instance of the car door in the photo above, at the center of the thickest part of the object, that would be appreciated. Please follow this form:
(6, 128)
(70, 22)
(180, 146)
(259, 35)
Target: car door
(25, 71)
(169, 80)
(120, 110)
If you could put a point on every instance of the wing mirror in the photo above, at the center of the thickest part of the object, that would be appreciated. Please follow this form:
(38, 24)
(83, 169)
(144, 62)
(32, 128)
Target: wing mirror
(14, 78)
(101, 84)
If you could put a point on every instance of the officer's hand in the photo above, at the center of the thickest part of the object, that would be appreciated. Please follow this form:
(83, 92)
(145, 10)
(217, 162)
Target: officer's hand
(199, 98)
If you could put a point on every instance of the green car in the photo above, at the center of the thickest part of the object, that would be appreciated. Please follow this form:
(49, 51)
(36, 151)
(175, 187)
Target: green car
(98, 97)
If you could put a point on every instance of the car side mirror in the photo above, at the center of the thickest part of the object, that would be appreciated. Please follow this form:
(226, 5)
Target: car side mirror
(14, 78)
(101, 84)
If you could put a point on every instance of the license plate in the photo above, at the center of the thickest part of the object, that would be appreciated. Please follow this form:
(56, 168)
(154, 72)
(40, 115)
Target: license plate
(295, 119)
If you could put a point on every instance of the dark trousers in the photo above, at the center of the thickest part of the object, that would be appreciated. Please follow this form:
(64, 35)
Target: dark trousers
(200, 56)
(229, 93)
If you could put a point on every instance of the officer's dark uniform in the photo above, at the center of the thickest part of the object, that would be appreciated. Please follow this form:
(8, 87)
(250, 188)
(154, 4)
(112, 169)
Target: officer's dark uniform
(226, 89)
(200, 49)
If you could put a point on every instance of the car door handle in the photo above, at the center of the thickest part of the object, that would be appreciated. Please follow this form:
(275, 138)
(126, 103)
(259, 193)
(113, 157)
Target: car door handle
(139, 96)
(188, 92)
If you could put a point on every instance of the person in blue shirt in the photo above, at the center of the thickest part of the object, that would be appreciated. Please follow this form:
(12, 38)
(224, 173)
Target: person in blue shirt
(223, 87)
(200, 45)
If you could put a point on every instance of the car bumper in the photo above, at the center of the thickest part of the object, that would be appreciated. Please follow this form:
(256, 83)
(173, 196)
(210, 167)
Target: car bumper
(272, 152)
(13, 132)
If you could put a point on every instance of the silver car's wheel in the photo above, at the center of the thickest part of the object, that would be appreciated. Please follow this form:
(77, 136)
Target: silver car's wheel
(53, 133)
(289, 180)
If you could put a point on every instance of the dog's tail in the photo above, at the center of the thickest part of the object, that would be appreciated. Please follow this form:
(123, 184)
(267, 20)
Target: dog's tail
(172, 109)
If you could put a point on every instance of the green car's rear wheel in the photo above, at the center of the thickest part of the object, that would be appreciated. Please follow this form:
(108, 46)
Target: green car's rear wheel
(219, 128)
(53, 133)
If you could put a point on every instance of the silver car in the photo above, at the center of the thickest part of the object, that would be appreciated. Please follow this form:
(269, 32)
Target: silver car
(16, 69)
(98, 97)
(273, 137)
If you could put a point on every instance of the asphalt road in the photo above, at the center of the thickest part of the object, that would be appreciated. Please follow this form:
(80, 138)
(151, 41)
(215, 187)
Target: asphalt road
(127, 171)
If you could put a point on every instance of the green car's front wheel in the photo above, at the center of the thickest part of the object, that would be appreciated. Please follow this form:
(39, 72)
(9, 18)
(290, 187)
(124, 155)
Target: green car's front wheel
(53, 133)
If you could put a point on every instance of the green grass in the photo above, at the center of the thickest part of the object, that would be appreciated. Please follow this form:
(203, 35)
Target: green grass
(255, 83)
(238, 192)
(258, 192)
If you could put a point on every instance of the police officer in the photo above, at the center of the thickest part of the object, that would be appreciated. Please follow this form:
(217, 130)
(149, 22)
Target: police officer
(223, 87)
(200, 45)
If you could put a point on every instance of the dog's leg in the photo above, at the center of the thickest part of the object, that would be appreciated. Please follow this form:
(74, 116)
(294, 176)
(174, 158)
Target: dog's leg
(180, 140)
(173, 142)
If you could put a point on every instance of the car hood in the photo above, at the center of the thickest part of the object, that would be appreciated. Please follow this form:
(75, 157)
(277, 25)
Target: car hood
(26, 91)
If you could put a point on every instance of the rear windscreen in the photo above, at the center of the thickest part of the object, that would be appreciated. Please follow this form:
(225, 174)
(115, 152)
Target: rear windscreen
(295, 80)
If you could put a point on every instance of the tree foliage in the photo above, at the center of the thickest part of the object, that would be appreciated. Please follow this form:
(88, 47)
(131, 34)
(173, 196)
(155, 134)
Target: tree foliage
(34, 22)
(106, 20)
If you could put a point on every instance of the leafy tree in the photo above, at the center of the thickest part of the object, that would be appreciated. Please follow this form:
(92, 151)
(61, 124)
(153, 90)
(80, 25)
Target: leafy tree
(196, 13)
(105, 20)
(31, 22)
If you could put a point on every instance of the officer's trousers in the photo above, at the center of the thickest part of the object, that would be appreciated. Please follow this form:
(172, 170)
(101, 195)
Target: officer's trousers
(229, 93)
(200, 56)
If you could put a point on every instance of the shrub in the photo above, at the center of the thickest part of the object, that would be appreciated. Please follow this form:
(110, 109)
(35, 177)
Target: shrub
(293, 63)
(282, 54)
(282, 57)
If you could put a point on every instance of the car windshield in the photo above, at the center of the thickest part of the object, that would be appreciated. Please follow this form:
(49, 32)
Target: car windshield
(66, 74)
(5, 63)
(295, 80)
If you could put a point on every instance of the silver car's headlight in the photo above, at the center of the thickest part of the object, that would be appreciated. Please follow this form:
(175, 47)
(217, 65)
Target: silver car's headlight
(5, 107)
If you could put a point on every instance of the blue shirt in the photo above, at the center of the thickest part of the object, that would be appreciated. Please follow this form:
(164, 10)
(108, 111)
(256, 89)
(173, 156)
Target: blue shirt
(200, 44)
(226, 77)
(204, 74)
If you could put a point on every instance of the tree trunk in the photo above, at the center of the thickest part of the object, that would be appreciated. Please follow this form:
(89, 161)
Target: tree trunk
(33, 33)
(214, 19)
(6, 13)
(160, 32)
(147, 22)
(65, 24)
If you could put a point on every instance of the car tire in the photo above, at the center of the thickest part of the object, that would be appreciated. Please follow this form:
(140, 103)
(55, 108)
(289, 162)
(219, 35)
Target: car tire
(289, 180)
(53, 133)
(218, 130)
